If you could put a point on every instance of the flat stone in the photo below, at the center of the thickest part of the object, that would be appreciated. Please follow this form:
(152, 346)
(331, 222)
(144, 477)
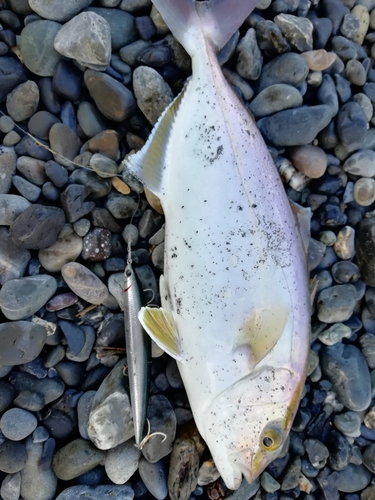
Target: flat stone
(76, 458)
(37, 50)
(26, 188)
(112, 98)
(37, 227)
(101, 492)
(275, 98)
(289, 68)
(295, 127)
(87, 39)
(20, 342)
(73, 202)
(23, 101)
(84, 283)
(347, 370)
(32, 169)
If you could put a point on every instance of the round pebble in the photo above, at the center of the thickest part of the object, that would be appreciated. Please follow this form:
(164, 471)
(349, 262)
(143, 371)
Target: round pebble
(16, 424)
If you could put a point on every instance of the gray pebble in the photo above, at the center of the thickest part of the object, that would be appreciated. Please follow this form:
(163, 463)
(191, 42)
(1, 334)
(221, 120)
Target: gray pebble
(8, 160)
(275, 98)
(129, 53)
(30, 400)
(26, 188)
(353, 478)
(355, 72)
(7, 394)
(335, 334)
(367, 342)
(11, 487)
(101, 492)
(76, 458)
(351, 126)
(58, 11)
(297, 30)
(65, 144)
(16, 424)
(13, 259)
(348, 423)
(83, 412)
(250, 60)
(73, 202)
(91, 121)
(346, 368)
(67, 248)
(154, 477)
(345, 272)
(13, 456)
(121, 25)
(317, 453)
(38, 53)
(287, 68)
(361, 163)
(365, 248)
(94, 185)
(50, 388)
(295, 127)
(75, 40)
(122, 462)
(23, 101)
(336, 303)
(21, 342)
(84, 283)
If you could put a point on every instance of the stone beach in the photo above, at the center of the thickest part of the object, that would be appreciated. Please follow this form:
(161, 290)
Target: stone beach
(82, 82)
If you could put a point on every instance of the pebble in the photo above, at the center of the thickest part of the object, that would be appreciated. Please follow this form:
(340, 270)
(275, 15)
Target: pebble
(94, 185)
(275, 98)
(73, 202)
(84, 283)
(346, 368)
(13, 259)
(319, 60)
(153, 94)
(76, 458)
(353, 478)
(154, 477)
(65, 143)
(335, 334)
(361, 163)
(348, 423)
(250, 59)
(26, 188)
(90, 119)
(100, 492)
(16, 424)
(208, 473)
(21, 341)
(86, 38)
(289, 68)
(111, 97)
(365, 104)
(13, 456)
(12, 73)
(367, 342)
(361, 13)
(344, 245)
(339, 449)
(345, 272)
(317, 452)
(110, 421)
(336, 304)
(21, 298)
(162, 418)
(56, 11)
(270, 38)
(67, 248)
(364, 191)
(351, 126)
(355, 72)
(309, 160)
(121, 23)
(11, 487)
(23, 101)
(36, 44)
(297, 30)
(97, 245)
(122, 462)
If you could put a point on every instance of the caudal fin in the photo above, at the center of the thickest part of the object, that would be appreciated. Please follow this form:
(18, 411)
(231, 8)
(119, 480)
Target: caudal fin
(215, 20)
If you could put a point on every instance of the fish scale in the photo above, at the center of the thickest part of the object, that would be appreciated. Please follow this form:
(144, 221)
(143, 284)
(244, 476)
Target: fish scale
(235, 304)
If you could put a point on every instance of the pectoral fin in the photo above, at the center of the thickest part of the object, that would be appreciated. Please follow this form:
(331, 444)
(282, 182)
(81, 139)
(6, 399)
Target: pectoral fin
(159, 324)
(263, 330)
(148, 164)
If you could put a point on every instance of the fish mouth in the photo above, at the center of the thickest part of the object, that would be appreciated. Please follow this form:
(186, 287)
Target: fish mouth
(250, 464)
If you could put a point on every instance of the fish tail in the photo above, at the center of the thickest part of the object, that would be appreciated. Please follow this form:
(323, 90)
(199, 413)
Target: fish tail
(192, 21)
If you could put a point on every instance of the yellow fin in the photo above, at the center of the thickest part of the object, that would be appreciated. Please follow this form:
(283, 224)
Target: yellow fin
(159, 324)
(262, 331)
(148, 164)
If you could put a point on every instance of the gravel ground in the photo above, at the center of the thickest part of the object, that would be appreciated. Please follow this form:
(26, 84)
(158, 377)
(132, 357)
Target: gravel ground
(89, 79)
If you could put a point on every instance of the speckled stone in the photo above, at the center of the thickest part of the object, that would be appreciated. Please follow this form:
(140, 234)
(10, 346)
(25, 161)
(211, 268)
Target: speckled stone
(97, 245)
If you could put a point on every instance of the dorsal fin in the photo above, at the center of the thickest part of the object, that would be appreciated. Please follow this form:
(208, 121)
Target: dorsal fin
(148, 164)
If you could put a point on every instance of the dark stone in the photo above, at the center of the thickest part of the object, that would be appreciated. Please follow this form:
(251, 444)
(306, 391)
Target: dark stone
(67, 80)
(365, 248)
(48, 95)
(339, 450)
(74, 204)
(12, 73)
(13, 456)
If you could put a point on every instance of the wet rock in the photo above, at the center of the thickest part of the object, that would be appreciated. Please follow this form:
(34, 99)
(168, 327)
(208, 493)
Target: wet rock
(76, 458)
(295, 127)
(20, 342)
(37, 50)
(21, 298)
(112, 98)
(87, 39)
(84, 283)
(153, 94)
(346, 368)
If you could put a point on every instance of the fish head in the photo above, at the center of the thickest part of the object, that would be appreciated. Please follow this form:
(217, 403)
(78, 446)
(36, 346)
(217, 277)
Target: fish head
(247, 425)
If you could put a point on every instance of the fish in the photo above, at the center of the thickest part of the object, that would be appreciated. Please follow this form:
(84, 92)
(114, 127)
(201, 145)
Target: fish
(138, 348)
(235, 308)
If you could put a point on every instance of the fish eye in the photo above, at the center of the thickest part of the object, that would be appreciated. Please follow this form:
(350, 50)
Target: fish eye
(271, 440)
